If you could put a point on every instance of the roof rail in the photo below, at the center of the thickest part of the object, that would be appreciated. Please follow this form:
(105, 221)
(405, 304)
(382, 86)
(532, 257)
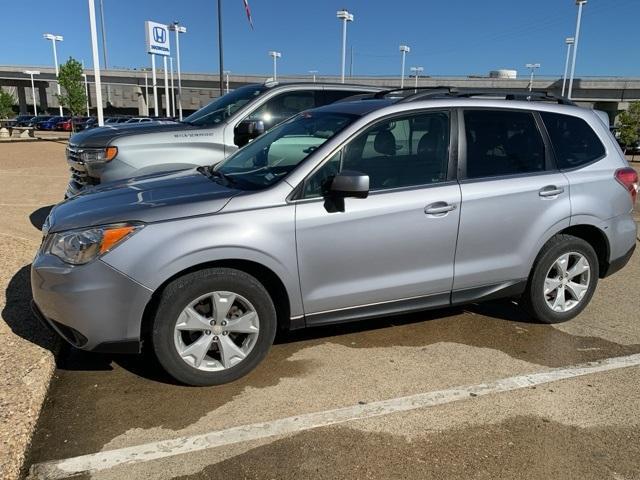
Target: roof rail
(384, 93)
(522, 95)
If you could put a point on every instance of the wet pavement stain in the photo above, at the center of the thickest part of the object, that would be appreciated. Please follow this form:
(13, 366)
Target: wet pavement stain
(498, 325)
(95, 398)
(524, 447)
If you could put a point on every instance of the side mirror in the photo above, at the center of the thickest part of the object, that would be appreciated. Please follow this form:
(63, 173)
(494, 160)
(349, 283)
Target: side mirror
(350, 184)
(246, 131)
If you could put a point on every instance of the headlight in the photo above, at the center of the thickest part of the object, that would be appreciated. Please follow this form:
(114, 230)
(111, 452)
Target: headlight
(90, 155)
(78, 247)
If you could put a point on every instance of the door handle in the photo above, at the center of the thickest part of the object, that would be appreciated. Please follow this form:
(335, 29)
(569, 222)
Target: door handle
(550, 191)
(438, 208)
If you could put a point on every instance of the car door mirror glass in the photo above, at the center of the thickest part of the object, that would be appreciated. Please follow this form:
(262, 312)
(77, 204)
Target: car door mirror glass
(246, 131)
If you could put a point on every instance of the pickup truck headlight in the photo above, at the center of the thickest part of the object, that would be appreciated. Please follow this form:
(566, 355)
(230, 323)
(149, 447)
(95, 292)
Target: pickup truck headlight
(78, 247)
(91, 155)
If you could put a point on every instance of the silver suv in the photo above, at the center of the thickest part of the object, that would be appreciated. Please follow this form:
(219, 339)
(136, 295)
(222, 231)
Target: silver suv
(143, 146)
(351, 211)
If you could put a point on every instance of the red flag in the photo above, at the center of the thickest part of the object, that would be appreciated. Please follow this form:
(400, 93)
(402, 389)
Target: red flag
(248, 11)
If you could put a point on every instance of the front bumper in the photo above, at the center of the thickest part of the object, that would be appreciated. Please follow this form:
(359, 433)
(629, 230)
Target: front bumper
(92, 306)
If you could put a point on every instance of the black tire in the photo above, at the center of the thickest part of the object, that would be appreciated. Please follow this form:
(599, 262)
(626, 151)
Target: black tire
(534, 300)
(179, 293)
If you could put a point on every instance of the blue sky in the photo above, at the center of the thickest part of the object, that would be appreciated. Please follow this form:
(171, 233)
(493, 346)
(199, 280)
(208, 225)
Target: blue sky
(453, 37)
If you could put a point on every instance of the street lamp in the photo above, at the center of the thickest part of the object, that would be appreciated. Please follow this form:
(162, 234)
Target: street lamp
(313, 74)
(569, 41)
(404, 49)
(54, 39)
(417, 71)
(31, 73)
(176, 27)
(226, 81)
(345, 17)
(580, 4)
(276, 56)
(532, 68)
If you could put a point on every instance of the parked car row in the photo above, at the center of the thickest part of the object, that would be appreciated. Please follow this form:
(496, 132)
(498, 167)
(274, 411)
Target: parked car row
(355, 204)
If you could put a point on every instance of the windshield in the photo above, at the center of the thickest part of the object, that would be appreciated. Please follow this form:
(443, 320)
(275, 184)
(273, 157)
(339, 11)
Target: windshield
(225, 106)
(273, 155)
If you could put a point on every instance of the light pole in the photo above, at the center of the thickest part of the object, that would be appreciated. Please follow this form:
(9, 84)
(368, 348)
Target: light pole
(104, 49)
(580, 4)
(404, 49)
(276, 56)
(345, 16)
(167, 102)
(146, 92)
(54, 39)
(532, 68)
(86, 87)
(569, 41)
(173, 91)
(31, 73)
(417, 71)
(226, 81)
(176, 27)
(96, 60)
(313, 73)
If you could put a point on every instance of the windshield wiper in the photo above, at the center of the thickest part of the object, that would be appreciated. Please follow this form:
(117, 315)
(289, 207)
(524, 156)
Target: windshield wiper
(227, 179)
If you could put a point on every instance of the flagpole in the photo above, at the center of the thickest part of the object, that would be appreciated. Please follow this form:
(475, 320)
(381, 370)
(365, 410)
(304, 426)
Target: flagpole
(220, 44)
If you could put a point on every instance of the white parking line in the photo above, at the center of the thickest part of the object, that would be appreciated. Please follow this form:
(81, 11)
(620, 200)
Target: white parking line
(59, 469)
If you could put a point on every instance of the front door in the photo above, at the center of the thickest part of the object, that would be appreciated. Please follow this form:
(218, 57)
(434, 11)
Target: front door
(396, 247)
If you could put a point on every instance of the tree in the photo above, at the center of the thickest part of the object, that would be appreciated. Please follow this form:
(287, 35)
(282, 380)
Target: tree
(6, 104)
(630, 124)
(70, 78)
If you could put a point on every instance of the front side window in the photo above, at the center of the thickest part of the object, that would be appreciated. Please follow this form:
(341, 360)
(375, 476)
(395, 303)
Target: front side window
(225, 106)
(283, 106)
(401, 152)
(271, 156)
(574, 141)
(502, 142)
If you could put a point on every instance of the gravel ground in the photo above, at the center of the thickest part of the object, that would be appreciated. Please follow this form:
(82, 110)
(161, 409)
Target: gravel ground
(26, 359)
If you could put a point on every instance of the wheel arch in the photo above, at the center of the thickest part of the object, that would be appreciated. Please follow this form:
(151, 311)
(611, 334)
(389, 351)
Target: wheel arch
(595, 237)
(266, 276)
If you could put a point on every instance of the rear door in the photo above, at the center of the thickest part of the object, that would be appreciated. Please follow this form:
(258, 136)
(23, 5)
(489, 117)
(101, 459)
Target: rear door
(512, 197)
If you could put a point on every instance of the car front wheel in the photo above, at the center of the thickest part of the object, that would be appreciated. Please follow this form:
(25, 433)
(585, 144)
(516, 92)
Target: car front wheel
(213, 326)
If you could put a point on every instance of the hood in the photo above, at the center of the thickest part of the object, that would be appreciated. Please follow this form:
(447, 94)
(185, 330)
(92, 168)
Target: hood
(152, 198)
(102, 136)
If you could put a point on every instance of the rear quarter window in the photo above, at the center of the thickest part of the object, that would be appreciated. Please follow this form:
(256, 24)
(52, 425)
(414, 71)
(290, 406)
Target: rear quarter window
(574, 141)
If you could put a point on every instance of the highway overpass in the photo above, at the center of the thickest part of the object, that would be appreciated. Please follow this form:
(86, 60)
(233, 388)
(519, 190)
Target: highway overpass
(125, 89)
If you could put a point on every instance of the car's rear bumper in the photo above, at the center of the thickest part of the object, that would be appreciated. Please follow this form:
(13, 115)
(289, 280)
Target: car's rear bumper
(92, 306)
(618, 263)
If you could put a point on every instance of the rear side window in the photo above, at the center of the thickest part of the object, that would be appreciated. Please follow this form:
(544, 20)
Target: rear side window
(502, 142)
(574, 141)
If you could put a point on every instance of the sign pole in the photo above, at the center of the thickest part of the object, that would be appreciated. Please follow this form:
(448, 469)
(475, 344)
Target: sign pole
(154, 84)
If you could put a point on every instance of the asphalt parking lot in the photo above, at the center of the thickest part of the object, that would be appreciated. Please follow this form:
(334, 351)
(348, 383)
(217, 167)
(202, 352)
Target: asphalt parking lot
(494, 414)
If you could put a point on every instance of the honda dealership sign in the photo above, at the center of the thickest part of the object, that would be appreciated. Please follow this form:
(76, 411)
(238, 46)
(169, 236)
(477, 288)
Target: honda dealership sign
(157, 36)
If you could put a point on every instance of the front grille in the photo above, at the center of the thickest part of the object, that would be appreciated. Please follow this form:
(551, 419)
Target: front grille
(79, 174)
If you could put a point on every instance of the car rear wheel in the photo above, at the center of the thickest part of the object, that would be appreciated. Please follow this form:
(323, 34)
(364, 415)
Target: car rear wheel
(563, 279)
(213, 326)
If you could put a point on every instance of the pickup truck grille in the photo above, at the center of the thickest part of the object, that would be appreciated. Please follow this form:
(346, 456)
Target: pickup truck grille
(79, 176)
